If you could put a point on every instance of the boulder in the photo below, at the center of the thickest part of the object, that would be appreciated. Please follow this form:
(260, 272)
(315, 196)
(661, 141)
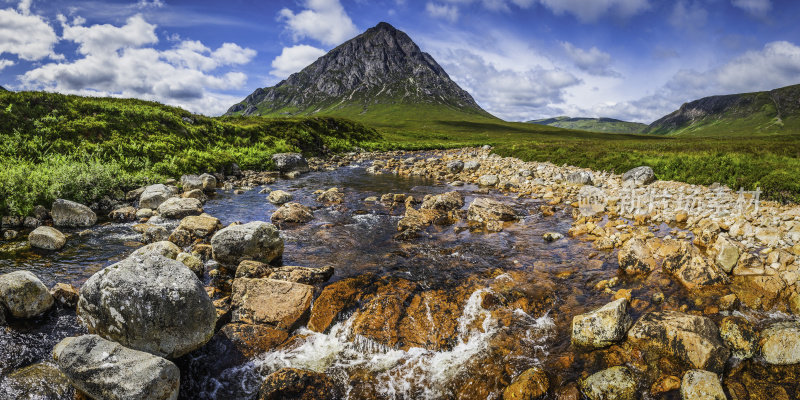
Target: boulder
(40, 381)
(701, 385)
(257, 240)
(149, 303)
(335, 299)
(298, 384)
(192, 262)
(252, 269)
(65, 294)
(194, 227)
(529, 385)
(177, 207)
(639, 176)
(692, 269)
(471, 165)
(455, 166)
(488, 180)
(727, 254)
(490, 213)
(580, 178)
(634, 257)
(153, 233)
(123, 214)
(603, 326)
(154, 195)
(307, 275)
(47, 238)
(331, 196)
(449, 201)
(292, 213)
(191, 182)
(267, 301)
(195, 194)
(209, 182)
(279, 197)
(162, 248)
(106, 370)
(290, 162)
(780, 343)
(737, 333)
(250, 340)
(691, 339)
(615, 383)
(551, 236)
(70, 214)
(24, 295)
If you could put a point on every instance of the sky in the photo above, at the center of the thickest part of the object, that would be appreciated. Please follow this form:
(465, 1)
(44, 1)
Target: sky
(634, 60)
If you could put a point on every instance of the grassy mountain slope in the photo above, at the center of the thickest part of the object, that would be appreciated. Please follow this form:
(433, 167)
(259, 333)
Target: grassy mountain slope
(84, 148)
(610, 125)
(771, 112)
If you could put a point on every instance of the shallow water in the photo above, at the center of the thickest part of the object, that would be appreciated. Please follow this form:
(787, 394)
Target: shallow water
(356, 238)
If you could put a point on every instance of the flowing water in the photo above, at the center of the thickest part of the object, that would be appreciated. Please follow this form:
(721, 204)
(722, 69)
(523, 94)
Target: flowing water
(551, 282)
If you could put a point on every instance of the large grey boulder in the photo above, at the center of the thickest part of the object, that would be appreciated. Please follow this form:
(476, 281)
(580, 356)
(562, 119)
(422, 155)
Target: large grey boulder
(47, 238)
(472, 165)
(690, 339)
(615, 383)
(701, 385)
(70, 214)
(257, 240)
(580, 178)
(279, 197)
(444, 202)
(24, 295)
(490, 213)
(603, 326)
(209, 182)
(106, 370)
(41, 381)
(191, 182)
(154, 195)
(149, 303)
(780, 343)
(290, 162)
(177, 207)
(455, 166)
(639, 176)
(163, 248)
(488, 180)
(292, 213)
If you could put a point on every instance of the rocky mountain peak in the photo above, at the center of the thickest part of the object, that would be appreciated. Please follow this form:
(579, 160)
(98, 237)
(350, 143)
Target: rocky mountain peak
(380, 66)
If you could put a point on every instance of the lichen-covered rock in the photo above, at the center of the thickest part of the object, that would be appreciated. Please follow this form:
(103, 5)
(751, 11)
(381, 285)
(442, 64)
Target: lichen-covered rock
(701, 385)
(47, 238)
(72, 215)
(298, 384)
(691, 339)
(780, 343)
(163, 248)
(267, 301)
(693, 269)
(40, 381)
(191, 182)
(580, 178)
(149, 303)
(279, 197)
(257, 240)
(737, 333)
(455, 166)
(488, 180)
(177, 207)
(634, 257)
(727, 254)
(490, 213)
(639, 175)
(194, 227)
(24, 295)
(154, 195)
(192, 262)
(529, 385)
(603, 326)
(615, 383)
(209, 182)
(107, 370)
(123, 214)
(290, 162)
(252, 269)
(291, 213)
(331, 196)
(444, 202)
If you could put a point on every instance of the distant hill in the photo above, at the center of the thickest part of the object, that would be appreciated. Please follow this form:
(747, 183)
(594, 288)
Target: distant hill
(774, 111)
(380, 76)
(609, 125)
(2, 89)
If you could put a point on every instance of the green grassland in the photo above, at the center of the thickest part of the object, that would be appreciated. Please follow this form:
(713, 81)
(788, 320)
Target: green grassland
(608, 125)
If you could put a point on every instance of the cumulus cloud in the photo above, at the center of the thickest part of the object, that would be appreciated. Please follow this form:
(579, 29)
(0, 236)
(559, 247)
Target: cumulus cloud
(116, 61)
(591, 10)
(27, 36)
(323, 20)
(448, 12)
(5, 63)
(592, 61)
(293, 59)
(758, 8)
(506, 93)
(688, 16)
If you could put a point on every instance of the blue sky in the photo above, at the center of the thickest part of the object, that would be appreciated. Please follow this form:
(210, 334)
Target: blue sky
(520, 59)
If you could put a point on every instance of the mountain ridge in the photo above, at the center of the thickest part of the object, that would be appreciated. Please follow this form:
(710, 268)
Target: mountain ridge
(601, 124)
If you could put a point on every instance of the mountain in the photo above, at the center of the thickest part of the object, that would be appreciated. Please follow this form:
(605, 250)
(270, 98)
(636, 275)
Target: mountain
(379, 75)
(774, 111)
(609, 125)
(2, 89)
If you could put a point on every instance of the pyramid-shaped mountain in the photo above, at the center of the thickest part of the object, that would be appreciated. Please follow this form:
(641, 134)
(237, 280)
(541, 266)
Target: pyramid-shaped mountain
(380, 73)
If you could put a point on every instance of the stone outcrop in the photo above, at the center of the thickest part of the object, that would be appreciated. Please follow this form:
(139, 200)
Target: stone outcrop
(194, 227)
(639, 176)
(529, 385)
(257, 240)
(692, 269)
(70, 214)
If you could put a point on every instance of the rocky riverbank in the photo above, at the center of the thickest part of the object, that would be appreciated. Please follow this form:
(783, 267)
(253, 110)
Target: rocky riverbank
(666, 289)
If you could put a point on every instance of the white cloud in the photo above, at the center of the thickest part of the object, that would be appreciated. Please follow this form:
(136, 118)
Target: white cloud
(688, 16)
(591, 10)
(755, 7)
(150, 4)
(5, 63)
(27, 36)
(443, 11)
(115, 61)
(293, 59)
(593, 61)
(24, 6)
(323, 20)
